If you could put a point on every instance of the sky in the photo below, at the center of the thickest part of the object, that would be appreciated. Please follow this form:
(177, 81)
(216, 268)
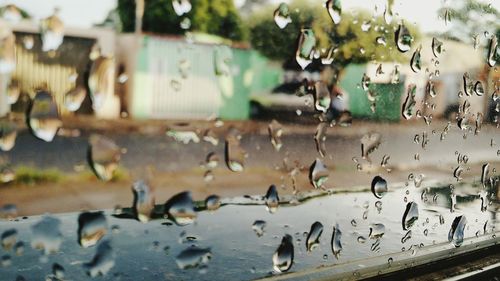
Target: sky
(85, 13)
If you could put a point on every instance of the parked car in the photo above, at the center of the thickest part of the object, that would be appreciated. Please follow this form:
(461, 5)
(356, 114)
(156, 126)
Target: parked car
(298, 98)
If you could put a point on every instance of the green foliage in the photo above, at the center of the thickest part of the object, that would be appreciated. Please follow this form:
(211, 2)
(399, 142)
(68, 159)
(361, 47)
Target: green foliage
(219, 17)
(347, 37)
(30, 175)
(470, 18)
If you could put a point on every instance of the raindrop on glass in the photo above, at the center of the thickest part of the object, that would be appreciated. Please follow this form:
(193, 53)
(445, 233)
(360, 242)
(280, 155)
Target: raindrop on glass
(410, 215)
(314, 235)
(283, 257)
(180, 209)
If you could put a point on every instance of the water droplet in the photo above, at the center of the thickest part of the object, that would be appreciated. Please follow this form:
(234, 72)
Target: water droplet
(212, 160)
(43, 117)
(410, 102)
(478, 88)
(493, 51)
(283, 257)
(335, 10)
(375, 247)
(305, 48)
(74, 98)
(377, 230)
(336, 243)
(485, 172)
(388, 15)
(58, 271)
(13, 92)
(52, 32)
(381, 40)
(390, 261)
(28, 42)
(429, 89)
(418, 180)
(272, 199)
(406, 237)
(365, 82)
(180, 208)
(223, 56)
(322, 98)
(403, 38)
(379, 187)
(212, 202)
(47, 235)
(410, 215)
(102, 75)
(437, 47)
(282, 16)
(234, 154)
(415, 62)
(320, 138)
(483, 195)
(361, 239)
(8, 239)
(92, 227)
(103, 156)
(185, 23)
(354, 223)
(314, 235)
(456, 234)
(258, 227)
(8, 135)
(453, 198)
(19, 248)
(479, 123)
(385, 160)
(181, 7)
(369, 143)
(275, 132)
(457, 173)
(366, 25)
(210, 137)
(318, 173)
(6, 260)
(103, 260)
(395, 75)
(144, 201)
(328, 59)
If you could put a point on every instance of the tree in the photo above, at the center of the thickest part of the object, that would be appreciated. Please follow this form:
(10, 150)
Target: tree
(469, 18)
(219, 17)
(353, 45)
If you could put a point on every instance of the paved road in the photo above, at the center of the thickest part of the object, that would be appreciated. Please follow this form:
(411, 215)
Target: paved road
(342, 145)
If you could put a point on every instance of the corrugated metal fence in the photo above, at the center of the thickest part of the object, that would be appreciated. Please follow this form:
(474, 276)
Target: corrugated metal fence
(35, 68)
(175, 79)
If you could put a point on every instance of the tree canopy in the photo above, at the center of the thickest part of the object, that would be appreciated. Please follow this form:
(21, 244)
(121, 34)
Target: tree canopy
(219, 17)
(468, 18)
(353, 43)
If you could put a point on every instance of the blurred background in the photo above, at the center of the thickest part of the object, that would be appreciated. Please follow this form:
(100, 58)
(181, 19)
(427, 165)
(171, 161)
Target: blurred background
(157, 77)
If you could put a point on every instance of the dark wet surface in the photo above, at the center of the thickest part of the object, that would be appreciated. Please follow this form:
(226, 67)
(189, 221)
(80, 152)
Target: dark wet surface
(165, 154)
(239, 254)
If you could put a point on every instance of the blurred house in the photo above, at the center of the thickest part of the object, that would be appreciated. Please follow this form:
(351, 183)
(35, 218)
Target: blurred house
(192, 77)
(63, 69)
(446, 73)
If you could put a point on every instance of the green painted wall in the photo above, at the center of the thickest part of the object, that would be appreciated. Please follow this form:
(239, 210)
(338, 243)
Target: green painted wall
(388, 96)
(203, 92)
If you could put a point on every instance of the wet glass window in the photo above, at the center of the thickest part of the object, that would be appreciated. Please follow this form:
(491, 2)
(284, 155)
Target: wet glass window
(249, 139)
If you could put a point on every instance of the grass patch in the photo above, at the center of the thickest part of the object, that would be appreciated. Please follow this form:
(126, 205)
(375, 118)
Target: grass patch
(119, 175)
(30, 175)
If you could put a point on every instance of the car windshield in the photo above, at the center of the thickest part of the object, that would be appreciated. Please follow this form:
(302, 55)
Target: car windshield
(249, 140)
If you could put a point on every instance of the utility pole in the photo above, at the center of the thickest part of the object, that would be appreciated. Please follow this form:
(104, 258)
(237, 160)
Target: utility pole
(139, 12)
